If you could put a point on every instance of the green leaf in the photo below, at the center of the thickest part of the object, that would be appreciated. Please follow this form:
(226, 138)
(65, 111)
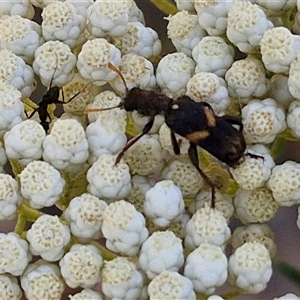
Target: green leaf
(167, 7)
(17, 168)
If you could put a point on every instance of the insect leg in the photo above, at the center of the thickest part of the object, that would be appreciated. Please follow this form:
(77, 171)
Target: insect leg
(146, 129)
(175, 145)
(32, 113)
(193, 155)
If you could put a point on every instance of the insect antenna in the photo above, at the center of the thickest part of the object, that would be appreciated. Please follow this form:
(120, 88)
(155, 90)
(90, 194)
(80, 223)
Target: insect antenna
(115, 69)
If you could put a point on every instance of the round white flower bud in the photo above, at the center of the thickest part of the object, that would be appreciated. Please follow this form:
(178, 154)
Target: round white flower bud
(185, 176)
(210, 88)
(15, 72)
(250, 267)
(253, 206)
(48, 237)
(62, 22)
(279, 47)
(3, 158)
(213, 54)
(246, 79)
(292, 118)
(85, 215)
(93, 61)
(22, 8)
(169, 285)
(207, 225)
(263, 121)
(10, 197)
(9, 288)
(81, 266)
(173, 72)
(284, 183)
(161, 251)
(14, 254)
(122, 280)
(276, 8)
(54, 61)
(24, 142)
(206, 267)
(145, 157)
(41, 184)
(86, 294)
(42, 280)
(107, 180)
(21, 36)
(124, 228)
(140, 40)
(185, 5)
(164, 203)
(66, 145)
(185, 31)
(246, 24)
(254, 232)
(288, 296)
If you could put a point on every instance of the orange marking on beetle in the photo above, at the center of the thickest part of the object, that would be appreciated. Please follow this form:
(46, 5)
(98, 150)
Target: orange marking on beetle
(197, 136)
(210, 116)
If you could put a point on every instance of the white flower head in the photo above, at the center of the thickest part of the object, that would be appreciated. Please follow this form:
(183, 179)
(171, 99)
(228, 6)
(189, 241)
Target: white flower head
(3, 158)
(22, 8)
(164, 137)
(254, 232)
(263, 120)
(42, 280)
(137, 71)
(212, 15)
(206, 267)
(124, 228)
(14, 253)
(292, 118)
(170, 285)
(213, 54)
(108, 18)
(275, 8)
(284, 183)
(106, 135)
(107, 180)
(48, 237)
(139, 40)
(145, 157)
(257, 205)
(54, 61)
(121, 279)
(223, 203)
(246, 79)
(82, 91)
(9, 287)
(280, 90)
(21, 36)
(85, 215)
(24, 142)
(207, 225)
(62, 22)
(161, 251)
(86, 294)
(173, 72)
(140, 185)
(279, 47)
(66, 145)
(185, 31)
(253, 172)
(293, 78)
(250, 267)
(93, 59)
(10, 197)
(210, 88)
(14, 71)
(246, 24)
(41, 184)
(106, 99)
(288, 296)
(164, 203)
(81, 266)
(185, 176)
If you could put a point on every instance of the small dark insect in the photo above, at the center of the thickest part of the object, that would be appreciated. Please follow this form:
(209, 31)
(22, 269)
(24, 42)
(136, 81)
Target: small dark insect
(195, 121)
(51, 97)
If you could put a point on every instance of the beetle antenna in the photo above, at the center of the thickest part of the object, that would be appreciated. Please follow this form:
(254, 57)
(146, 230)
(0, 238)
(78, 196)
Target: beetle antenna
(115, 69)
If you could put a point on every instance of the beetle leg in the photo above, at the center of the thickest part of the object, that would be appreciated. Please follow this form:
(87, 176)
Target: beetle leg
(175, 144)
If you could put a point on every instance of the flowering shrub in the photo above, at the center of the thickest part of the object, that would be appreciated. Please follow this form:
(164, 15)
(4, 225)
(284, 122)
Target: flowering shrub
(143, 227)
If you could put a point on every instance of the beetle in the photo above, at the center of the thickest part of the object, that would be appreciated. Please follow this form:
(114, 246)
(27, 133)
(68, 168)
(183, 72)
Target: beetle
(195, 121)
